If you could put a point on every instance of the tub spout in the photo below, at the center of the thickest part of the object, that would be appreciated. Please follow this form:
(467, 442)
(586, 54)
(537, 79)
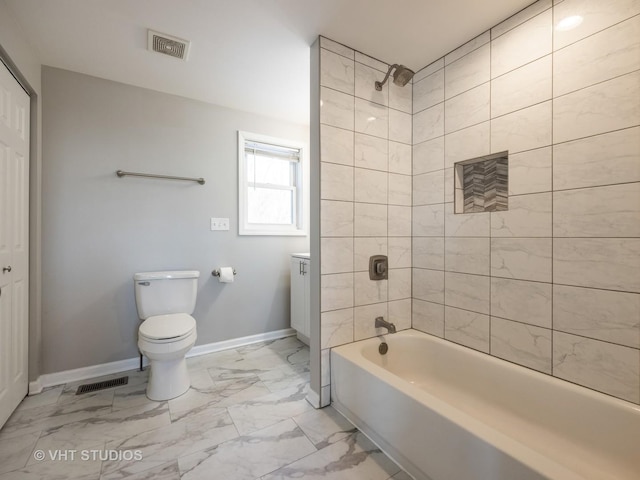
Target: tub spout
(381, 322)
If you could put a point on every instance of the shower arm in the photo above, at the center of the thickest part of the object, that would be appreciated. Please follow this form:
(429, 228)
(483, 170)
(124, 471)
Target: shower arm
(386, 77)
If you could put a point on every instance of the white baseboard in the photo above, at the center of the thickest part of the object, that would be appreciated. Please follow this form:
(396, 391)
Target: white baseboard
(77, 374)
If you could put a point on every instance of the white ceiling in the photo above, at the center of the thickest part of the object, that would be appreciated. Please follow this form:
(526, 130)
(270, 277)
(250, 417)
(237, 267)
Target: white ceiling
(250, 55)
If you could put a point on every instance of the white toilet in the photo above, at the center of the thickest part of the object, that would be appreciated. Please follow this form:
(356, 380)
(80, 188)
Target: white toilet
(165, 301)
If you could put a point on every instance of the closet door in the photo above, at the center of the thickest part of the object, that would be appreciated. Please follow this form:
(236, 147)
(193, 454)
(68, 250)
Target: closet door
(14, 243)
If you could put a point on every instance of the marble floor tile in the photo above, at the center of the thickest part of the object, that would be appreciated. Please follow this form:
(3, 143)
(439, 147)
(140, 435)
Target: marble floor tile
(167, 471)
(15, 452)
(49, 396)
(324, 426)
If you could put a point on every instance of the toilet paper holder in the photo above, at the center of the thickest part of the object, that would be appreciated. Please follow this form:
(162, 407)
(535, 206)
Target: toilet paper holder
(216, 273)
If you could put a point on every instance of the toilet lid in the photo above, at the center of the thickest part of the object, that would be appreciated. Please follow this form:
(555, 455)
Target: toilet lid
(167, 326)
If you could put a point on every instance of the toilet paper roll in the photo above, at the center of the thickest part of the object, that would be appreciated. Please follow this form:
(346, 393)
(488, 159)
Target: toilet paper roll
(226, 275)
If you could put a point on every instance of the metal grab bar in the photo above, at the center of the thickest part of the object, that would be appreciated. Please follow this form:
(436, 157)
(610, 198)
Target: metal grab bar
(121, 173)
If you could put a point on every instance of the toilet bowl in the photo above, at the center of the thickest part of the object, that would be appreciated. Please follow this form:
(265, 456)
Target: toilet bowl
(165, 301)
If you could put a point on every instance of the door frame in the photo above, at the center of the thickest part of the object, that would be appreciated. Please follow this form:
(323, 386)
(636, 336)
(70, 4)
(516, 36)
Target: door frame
(35, 213)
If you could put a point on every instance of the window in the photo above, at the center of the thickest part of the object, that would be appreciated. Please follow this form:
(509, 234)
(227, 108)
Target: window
(270, 186)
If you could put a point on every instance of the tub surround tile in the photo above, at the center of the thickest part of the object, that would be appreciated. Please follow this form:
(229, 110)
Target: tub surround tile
(521, 258)
(467, 72)
(522, 44)
(520, 17)
(599, 314)
(336, 219)
(428, 221)
(465, 224)
(604, 107)
(428, 285)
(336, 47)
(467, 48)
(428, 124)
(530, 172)
(428, 252)
(467, 328)
(337, 182)
(468, 292)
(366, 247)
(399, 221)
(521, 88)
(399, 189)
(524, 129)
(602, 366)
(400, 98)
(428, 188)
(399, 252)
(336, 108)
(336, 145)
(523, 301)
(337, 255)
(399, 312)
(399, 283)
(428, 156)
(528, 216)
(428, 92)
(467, 109)
(467, 255)
(605, 55)
(370, 220)
(399, 126)
(428, 317)
(525, 345)
(365, 316)
(372, 62)
(371, 118)
(605, 263)
(371, 186)
(371, 152)
(336, 72)
(336, 291)
(369, 291)
(599, 160)
(428, 70)
(365, 78)
(612, 211)
(399, 158)
(468, 143)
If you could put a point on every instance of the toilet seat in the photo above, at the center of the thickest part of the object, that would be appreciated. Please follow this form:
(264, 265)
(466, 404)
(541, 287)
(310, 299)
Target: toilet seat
(167, 328)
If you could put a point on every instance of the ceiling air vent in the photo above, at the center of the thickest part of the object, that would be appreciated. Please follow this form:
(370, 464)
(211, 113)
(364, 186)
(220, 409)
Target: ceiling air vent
(168, 45)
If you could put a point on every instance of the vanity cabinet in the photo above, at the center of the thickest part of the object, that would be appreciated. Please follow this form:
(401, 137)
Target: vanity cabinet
(300, 296)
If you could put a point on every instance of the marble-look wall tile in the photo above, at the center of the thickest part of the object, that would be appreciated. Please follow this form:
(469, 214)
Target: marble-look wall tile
(337, 255)
(601, 314)
(399, 283)
(451, 182)
(428, 252)
(600, 160)
(466, 224)
(399, 189)
(528, 216)
(336, 182)
(469, 292)
(399, 126)
(336, 328)
(428, 156)
(428, 124)
(399, 312)
(468, 72)
(523, 301)
(467, 255)
(336, 145)
(467, 328)
(604, 107)
(366, 247)
(365, 79)
(612, 211)
(369, 291)
(336, 291)
(467, 48)
(371, 186)
(336, 108)
(400, 158)
(530, 172)
(521, 258)
(523, 44)
(428, 285)
(428, 70)
(467, 109)
(372, 62)
(399, 252)
(371, 152)
(429, 91)
(365, 318)
(371, 118)
(522, 344)
(428, 317)
(336, 47)
(370, 220)
(520, 17)
(428, 188)
(336, 219)
(399, 221)
(596, 16)
(336, 71)
(605, 367)
(605, 55)
(525, 129)
(523, 87)
(466, 144)
(400, 98)
(607, 263)
(428, 221)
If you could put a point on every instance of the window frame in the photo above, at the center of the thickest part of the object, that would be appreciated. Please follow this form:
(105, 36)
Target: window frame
(300, 204)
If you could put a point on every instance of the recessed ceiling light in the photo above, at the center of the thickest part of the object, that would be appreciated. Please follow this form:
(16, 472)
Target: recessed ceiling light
(569, 23)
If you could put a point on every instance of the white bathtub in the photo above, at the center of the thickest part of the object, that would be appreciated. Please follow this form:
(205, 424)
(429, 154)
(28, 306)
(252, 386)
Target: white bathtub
(445, 412)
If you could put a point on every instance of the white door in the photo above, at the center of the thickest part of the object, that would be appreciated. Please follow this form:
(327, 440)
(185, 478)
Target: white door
(14, 243)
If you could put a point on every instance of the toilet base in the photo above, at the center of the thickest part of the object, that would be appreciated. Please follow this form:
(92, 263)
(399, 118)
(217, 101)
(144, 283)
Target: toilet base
(167, 379)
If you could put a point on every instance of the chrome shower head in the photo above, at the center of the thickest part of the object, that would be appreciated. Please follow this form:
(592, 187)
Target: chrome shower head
(401, 76)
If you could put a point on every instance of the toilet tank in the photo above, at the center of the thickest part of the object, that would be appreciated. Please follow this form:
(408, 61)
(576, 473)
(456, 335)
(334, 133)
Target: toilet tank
(159, 293)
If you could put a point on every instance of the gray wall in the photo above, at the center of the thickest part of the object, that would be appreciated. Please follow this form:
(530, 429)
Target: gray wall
(98, 230)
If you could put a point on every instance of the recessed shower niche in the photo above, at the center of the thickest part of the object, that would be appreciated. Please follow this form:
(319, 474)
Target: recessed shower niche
(482, 184)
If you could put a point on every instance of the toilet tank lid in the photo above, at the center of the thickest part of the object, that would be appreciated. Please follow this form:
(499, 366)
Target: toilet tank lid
(166, 275)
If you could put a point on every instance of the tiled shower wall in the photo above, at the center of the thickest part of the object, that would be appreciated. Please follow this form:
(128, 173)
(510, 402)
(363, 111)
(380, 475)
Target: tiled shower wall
(553, 283)
(365, 199)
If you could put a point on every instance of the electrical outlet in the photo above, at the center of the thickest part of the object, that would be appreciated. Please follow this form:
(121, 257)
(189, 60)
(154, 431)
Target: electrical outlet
(219, 224)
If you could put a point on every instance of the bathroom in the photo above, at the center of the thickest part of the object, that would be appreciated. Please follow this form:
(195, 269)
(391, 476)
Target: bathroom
(551, 284)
